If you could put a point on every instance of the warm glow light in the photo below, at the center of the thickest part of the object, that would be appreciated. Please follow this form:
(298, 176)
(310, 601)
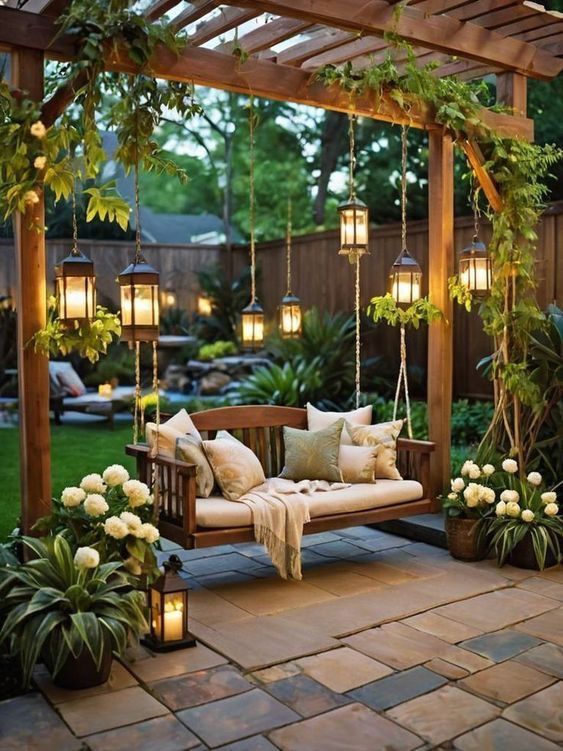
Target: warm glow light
(203, 305)
(253, 326)
(173, 620)
(405, 279)
(169, 298)
(139, 303)
(353, 228)
(145, 302)
(105, 389)
(75, 288)
(289, 317)
(475, 271)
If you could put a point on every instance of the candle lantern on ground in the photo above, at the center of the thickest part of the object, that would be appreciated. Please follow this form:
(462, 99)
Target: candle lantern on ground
(168, 606)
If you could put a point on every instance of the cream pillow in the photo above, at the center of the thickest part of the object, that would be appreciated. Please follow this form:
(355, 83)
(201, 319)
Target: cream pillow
(358, 463)
(176, 427)
(385, 436)
(189, 449)
(319, 420)
(236, 468)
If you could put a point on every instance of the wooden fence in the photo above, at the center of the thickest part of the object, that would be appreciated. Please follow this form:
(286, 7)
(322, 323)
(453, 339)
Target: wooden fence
(322, 278)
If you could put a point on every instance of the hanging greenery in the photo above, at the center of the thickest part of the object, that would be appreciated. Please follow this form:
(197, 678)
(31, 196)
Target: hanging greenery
(510, 313)
(385, 308)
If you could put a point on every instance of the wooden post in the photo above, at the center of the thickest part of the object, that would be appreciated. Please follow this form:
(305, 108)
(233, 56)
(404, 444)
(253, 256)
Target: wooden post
(31, 304)
(440, 335)
(512, 90)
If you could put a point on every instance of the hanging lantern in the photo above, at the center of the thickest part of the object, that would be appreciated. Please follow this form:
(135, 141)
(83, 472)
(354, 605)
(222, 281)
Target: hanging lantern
(253, 326)
(168, 607)
(289, 312)
(139, 302)
(168, 297)
(353, 212)
(75, 288)
(203, 305)
(475, 269)
(405, 279)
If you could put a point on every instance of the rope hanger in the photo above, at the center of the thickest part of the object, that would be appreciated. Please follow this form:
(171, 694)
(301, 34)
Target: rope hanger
(352, 121)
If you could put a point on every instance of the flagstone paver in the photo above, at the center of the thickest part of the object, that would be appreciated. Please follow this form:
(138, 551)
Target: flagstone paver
(443, 628)
(398, 688)
(343, 669)
(200, 687)
(119, 678)
(208, 607)
(256, 743)
(543, 586)
(218, 563)
(447, 669)
(27, 721)
(228, 720)
(354, 728)
(546, 657)
(163, 733)
(276, 672)
(501, 645)
(507, 682)
(547, 626)
(266, 596)
(306, 696)
(148, 666)
(553, 574)
(443, 714)
(340, 582)
(500, 735)
(542, 713)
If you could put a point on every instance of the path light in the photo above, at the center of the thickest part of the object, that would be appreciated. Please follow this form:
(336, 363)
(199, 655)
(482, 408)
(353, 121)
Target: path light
(139, 302)
(353, 212)
(75, 288)
(405, 279)
(289, 311)
(168, 608)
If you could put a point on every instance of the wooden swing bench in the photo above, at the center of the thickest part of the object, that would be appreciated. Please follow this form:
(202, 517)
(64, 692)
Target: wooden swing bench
(205, 522)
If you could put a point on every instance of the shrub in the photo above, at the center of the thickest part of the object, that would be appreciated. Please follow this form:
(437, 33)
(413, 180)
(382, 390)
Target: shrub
(220, 348)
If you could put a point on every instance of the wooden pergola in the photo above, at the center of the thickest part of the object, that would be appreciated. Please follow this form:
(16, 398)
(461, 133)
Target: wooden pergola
(284, 42)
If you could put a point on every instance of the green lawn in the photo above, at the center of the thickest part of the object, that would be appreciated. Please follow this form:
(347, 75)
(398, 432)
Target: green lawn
(77, 450)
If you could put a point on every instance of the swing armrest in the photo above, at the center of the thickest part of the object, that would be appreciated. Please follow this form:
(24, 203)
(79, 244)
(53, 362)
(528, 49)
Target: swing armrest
(413, 461)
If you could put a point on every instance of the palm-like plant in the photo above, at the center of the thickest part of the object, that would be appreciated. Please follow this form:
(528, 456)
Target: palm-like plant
(290, 386)
(51, 607)
(227, 300)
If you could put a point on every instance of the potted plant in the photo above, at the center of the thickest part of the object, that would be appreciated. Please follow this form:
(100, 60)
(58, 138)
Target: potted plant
(70, 610)
(527, 529)
(468, 508)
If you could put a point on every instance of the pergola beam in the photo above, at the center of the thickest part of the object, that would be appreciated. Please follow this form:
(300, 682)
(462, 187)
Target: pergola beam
(267, 36)
(477, 162)
(225, 21)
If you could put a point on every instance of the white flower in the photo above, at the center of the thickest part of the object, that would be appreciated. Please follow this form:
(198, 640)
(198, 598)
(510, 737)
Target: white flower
(467, 466)
(474, 472)
(458, 484)
(527, 515)
(148, 532)
(132, 520)
(30, 197)
(488, 470)
(513, 509)
(38, 130)
(40, 162)
(552, 509)
(509, 496)
(95, 505)
(549, 497)
(534, 478)
(500, 508)
(510, 466)
(452, 496)
(93, 483)
(114, 527)
(472, 494)
(86, 558)
(488, 495)
(115, 474)
(137, 492)
(133, 566)
(71, 497)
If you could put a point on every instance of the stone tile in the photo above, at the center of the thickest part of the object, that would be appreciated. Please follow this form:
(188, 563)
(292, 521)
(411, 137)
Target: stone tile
(148, 666)
(163, 733)
(119, 678)
(354, 728)
(318, 539)
(339, 549)
(444, 628)
(553, 574)
(26, 722)
(447, 669)
(384, 573)
(501, 645)
(496, 610)
(276, 673)
(106, 711)
(224, 578)
(200, 687)
(231, 719)
(543, 586)
(266, 596)
(398, 688)
(546, 627)
(218, 563)
(343, 669)
(424, 550)
(499, 735)
(364, 533)
(256, 743)
(208, 607)
(506, 682)
(546, 657)
(306, 696)
(443, 714)
(198, 553)
(340, 582)
(541, 713)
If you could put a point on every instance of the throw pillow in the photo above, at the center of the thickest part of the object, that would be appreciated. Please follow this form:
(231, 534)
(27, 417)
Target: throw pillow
(318, 420)
(189, 449)
(63, 374)
(385, 436)
(358, 463)
(236, 468)
(176, 427)
(312, 455)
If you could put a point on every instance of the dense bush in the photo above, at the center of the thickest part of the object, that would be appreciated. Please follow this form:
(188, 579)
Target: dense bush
(220, 348)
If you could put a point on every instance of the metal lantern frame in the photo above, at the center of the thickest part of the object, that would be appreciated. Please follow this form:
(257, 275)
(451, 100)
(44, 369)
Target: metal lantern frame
(252, 324)
(75, 267)
(475, 266)
(139, 274)
(354, 222)
(290, 315)
(405, 271)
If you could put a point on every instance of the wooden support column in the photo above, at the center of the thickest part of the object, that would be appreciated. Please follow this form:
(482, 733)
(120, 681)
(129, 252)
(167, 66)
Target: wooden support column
(31, 303)
(512, 90)
(440, 335)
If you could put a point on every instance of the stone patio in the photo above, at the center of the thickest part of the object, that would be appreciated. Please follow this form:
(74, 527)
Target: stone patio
(386, 644)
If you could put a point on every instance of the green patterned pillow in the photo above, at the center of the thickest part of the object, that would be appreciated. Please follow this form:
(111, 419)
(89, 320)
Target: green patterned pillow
(312, 455)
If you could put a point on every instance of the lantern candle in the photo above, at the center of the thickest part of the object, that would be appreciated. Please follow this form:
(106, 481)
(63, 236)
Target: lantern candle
(173, 620)
(203, 306)
(105, 389)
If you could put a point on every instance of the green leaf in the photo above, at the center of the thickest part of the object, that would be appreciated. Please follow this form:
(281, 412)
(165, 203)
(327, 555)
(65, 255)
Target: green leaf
(88, 626)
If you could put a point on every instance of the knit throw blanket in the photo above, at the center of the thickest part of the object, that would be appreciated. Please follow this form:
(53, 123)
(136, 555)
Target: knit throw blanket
(279, 510)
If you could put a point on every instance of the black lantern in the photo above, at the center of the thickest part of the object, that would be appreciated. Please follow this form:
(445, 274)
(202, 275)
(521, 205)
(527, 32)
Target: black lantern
(168, 606)
(475, 268)
(253, 326)
(75, 288)
(353, 228)
(139, 302)
(405, 279)
(289, 317)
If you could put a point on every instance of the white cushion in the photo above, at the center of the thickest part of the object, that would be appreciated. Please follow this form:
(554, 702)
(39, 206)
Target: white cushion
(176, 427)
(217, 511)
(65, 376)
(319, 420)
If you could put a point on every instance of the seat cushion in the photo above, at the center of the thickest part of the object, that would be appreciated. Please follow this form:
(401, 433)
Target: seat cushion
(217, 511)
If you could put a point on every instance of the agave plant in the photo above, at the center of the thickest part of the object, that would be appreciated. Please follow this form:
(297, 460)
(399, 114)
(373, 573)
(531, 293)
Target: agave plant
(51, 607)
(290, 386)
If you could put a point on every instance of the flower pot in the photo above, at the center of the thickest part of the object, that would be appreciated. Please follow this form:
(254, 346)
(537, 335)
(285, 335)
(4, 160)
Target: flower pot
(463, 539)
(523, 556)
(82, 672)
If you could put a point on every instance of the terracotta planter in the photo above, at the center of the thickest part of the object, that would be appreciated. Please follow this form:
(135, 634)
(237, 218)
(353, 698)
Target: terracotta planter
(81, 672)
(463, 539)
(523, 556)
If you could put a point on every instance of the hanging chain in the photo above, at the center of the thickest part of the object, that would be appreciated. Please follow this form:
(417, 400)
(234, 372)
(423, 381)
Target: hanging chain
(252, 207)
(403, 186)
(352, 166)
(358, 339)
(75, 251)
(288, 246)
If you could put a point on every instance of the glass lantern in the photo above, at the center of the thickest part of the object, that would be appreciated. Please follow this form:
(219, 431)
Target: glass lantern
(168, 606)
(139, 303)
(253, 326)
(203, 305)
(75, 288)
(405, 279)
(290, 317)
(475, 268)
(353, 228)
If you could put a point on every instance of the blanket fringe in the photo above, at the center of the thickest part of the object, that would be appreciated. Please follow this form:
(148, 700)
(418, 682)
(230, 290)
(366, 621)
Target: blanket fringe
(286, 559)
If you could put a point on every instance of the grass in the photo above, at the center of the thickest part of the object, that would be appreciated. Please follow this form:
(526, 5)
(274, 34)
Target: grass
(76, 451)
